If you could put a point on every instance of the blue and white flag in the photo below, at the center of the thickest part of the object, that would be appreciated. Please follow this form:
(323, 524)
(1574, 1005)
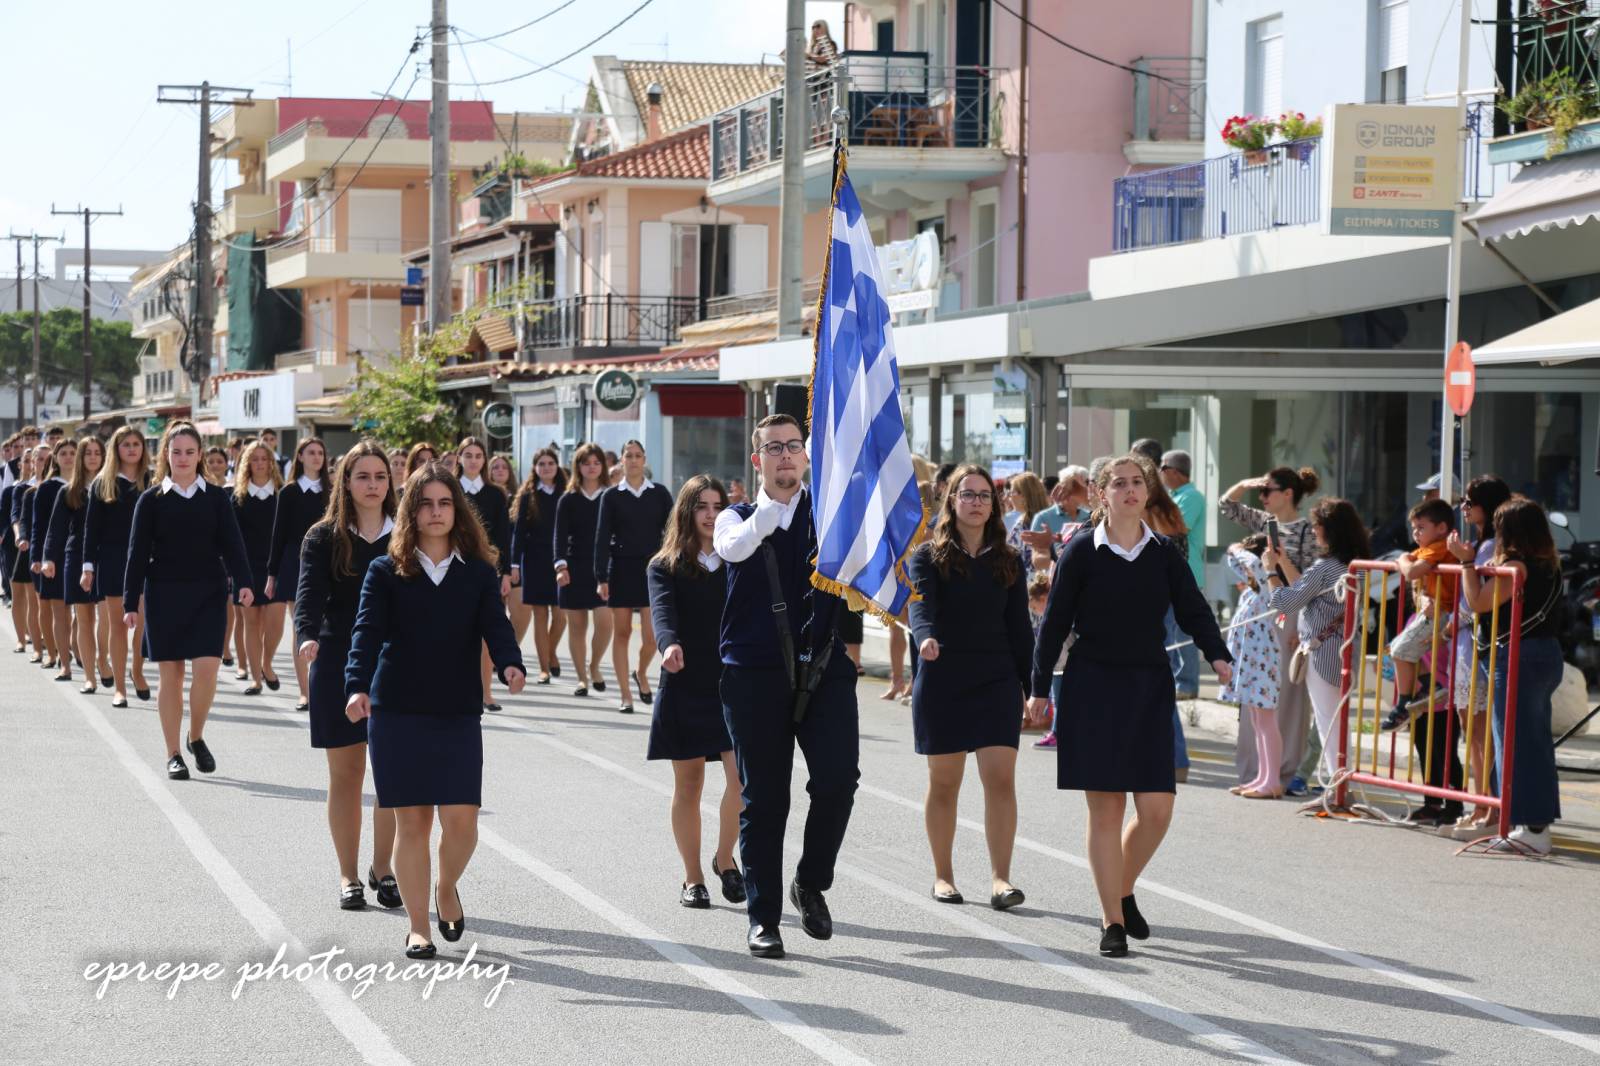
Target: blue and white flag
(864, 495)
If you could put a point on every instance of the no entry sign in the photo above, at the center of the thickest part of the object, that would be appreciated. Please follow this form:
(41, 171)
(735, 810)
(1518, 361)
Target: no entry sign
(1460, 379)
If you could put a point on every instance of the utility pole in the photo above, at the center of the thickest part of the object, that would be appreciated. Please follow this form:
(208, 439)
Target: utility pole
(204, 317)
(19, 239)
(38, 386)
(792, 202)
(1452, 306)
(440, 207)
(89, 215)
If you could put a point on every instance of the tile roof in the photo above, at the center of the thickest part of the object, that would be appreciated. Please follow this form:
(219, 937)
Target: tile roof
(494, 332)
(633, 364)
(686, 154)
(693, 92)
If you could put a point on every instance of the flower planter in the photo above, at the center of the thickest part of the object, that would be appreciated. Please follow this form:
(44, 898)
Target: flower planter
(1531, 146)
(1258, 157)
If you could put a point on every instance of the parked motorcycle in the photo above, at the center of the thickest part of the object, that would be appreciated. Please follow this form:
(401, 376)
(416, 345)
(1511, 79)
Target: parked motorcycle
(1580, 575)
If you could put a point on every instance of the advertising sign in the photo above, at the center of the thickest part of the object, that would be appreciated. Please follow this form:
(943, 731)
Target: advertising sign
(615, 390)
(497, 421)
(1392, 170)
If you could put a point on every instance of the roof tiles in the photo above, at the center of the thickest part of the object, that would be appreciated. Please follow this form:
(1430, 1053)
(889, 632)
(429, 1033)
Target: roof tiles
(693, 92)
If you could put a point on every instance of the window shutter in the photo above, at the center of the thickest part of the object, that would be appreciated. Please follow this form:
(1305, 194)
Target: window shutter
(1269, 66)
(1394, 34)
(655, 259)
(748, 269)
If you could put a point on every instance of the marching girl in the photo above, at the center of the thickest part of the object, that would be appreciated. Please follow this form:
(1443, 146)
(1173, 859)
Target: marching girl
(420, 455)
(183, 548)
(80, 598)
(54, 614)
(24, 605)
(533, 518)
(577, 516)
(1113, 587)
(300, 505)
(425, 612)
(334, 558)
(255, 505)
(218, 468)
(493, 507)
(397, 466)
(502, 476)
(8, 549)
(975, 638)
(107, 527)
(39, 622)
(633, 518)
(687, 588)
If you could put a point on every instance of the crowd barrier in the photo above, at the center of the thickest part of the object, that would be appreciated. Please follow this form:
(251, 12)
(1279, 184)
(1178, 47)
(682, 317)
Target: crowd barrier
(1367, 605)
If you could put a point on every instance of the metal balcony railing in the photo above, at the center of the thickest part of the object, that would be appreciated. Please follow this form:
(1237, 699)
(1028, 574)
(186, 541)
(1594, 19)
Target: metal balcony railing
(306, 357)
(1169, 98)
(1556, 36)
(342, 243)
(612, 320)
(890, 99)
(388, 126)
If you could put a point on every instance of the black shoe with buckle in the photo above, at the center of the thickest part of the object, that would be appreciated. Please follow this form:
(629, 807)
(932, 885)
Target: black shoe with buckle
(424, 950)
(451, 931)
(352, 898)
(625, 708)
(695, 897)
(732, 882)
(814, 916)
(202, 756)
(764, 942)
(1004, 901)
(387, 888)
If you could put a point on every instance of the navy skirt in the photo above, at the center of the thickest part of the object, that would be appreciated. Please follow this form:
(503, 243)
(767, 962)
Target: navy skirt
(329, 726)
(539, 585)
(51, 588)
(961, 703)
(288, 577)
(74, 590)
(628, 587)
(1114, 732)
(108, 575)
(686, 721)
(426, 760)
(184, 619)
(580, 594)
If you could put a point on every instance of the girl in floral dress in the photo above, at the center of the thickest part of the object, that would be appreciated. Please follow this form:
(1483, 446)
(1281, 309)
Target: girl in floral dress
(1254, 645)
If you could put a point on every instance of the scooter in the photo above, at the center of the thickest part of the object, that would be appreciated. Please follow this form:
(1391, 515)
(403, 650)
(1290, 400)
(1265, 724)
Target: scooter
(1580, 574)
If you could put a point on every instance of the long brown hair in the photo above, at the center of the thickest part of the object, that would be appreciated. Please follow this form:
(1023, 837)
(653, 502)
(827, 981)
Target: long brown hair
(77, 491)
(584, 453)
(466, 534)
(1522, 531)
(528, 494)
(1342, 528)
(1162, 506)
(342, 507)
(241, 475)
(1028, 490)
(1152, 482)
(298, 471)
(54, 469)
(680, 544)
(174, 430)
(105, 485)
(945, 544)
(414, 456)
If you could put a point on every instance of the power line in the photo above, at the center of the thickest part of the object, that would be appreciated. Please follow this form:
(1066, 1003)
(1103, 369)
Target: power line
(1084, 51)
(518, 29)
(581, 48)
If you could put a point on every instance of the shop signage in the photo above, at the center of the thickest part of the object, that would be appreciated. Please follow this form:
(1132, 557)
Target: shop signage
(154, 426)
(1392, 170)
(615, 390)
(497, 419)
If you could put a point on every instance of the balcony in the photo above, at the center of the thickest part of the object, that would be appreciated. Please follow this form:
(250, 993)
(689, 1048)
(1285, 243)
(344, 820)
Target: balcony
(1169, 110)
(907, 123)
(247, 211)
(1553, 39)
(633, 323)
(303, 261)
(311, 146)
(241, 129)
(330, 370)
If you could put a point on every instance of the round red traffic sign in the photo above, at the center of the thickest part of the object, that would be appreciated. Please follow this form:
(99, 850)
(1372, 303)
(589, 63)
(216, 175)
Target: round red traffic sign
(1460, 379)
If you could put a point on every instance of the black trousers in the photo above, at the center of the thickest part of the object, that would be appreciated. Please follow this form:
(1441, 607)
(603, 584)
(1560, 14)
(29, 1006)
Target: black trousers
(1441, 758)
(758, 708)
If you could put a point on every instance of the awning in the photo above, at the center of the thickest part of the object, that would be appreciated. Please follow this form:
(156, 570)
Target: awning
(1573, 334)
(1543, 196)
(486, 253)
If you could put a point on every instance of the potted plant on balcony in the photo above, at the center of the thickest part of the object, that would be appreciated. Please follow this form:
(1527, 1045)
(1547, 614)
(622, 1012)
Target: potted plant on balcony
(1250, 135)
(1297, 132)
(1557, 102)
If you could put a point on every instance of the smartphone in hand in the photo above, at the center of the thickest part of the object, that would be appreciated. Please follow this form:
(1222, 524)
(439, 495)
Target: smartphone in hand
(1272, 535)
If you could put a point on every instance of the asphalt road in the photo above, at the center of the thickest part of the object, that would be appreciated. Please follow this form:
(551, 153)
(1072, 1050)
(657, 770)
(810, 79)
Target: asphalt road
(1278, 938)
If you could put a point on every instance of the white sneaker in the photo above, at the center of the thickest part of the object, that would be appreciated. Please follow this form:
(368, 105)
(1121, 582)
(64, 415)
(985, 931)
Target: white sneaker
(1540, 842)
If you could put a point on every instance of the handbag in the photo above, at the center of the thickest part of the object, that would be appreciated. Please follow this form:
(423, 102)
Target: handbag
(1302, 652)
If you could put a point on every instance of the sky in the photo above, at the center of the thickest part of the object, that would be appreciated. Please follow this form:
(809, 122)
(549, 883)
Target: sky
(84, 127)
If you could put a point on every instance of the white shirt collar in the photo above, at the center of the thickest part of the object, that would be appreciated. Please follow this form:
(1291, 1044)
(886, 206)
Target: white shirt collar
(436, 571)
(260, 492)
(388, 527)
(637, 492)
(711, 561)
(1101, 540)
(58, 479)
(785, 510)
(981, 551)
(595, 495)
(542, 487)
(125, 477)
(307, 484)
(168, 485)
(471, 485)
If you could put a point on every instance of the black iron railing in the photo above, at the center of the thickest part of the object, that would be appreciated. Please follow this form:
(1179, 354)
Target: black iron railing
(1169, 98)
(611, 320)
(1557, 36)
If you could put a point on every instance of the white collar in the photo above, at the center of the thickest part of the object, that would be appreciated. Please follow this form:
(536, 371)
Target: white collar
(436, 571)
(169, 485)
(595, 495)
(1101, 540)
(32, 482)
(308, 485)
(963, 546)
(711, 561)
(125, 477)
(542, 487)
(639, 492)
(58, 479)
(471, 485)
(260, 492)
(388, 527)
(785, 510)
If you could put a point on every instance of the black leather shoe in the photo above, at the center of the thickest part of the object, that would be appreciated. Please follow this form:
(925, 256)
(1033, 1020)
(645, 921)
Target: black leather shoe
(581, 690)
(625, 708)
(451, 931)
(352, 898)
(695, 897)
(302, 705)
(555, 669)
(142, 693)
(814, 916)
(1004, 901)
(107, 681)
(119, 701)
(227, 660)
(252, 690)
(764, 942)
(599, 685)
(177, 769)
(202, 756)
(492, 706)
(732, 882)
(645, 695)
(1114, 942)
(424, 950)
(1132, 921)
(272, 683)
(88, 689)
(951, 896)
(388, 890)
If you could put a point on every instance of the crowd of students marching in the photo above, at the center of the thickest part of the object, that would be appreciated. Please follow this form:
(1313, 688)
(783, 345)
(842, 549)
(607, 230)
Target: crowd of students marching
(411, 578)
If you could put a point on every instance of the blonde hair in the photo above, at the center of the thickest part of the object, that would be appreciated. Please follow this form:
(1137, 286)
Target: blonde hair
(241, 475)
(105, 484)
(77, 491)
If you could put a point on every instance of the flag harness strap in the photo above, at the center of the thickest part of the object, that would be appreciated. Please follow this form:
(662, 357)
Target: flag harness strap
(810, 673)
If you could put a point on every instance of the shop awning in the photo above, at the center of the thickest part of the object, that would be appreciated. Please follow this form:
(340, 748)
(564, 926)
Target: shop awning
(1543, 196)
(486, 253)
(1573, 334)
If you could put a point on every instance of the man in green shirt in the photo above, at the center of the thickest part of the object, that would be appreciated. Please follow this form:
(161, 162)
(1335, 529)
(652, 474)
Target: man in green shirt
(1175, 471)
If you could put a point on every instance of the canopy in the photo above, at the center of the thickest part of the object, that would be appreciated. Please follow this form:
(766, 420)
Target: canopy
(1543, 196)
(1573, 334)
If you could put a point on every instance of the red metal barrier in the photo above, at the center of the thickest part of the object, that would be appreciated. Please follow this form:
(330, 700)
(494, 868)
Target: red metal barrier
(1363, 575)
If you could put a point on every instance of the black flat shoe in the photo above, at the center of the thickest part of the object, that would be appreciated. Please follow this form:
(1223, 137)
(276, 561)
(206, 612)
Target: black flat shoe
(424, 950)
(544, 679)
(88, 690)
(599, 685)
(352, 898)
(493, 707)
(177, 769)
(814, 916)
(65, 675)
(732, 882)
(451, 931)
(388, 890)
(119, 701)
(106, 681)
(252, 690)
(302, 705)
(625, 708)
(202, 756)
(142, 693)
(241, 675)
(555, 669)
(951, 896)
(272, 683)
(1004, 901)
(581, 690)
(227, 660)
(645, 695)
(1114, 942)
(695, 897)
(764, 942)
(1132, 921)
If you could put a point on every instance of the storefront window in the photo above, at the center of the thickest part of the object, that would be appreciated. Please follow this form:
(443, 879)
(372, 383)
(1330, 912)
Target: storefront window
(715, 446)
(1535, 442)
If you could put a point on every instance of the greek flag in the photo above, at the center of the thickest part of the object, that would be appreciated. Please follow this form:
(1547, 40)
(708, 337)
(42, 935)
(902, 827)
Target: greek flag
(867, 509)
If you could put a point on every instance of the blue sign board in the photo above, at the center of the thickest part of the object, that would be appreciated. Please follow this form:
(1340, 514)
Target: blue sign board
(413, 275)
(411, 296)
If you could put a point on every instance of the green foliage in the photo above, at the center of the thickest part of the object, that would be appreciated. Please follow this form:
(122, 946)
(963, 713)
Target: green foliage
(400, 403)
(113, 345)
(1558, 102)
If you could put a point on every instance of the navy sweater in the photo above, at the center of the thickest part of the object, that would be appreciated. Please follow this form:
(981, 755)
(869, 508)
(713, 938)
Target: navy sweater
(534, 532)
(63, 540)
(175, 539)
(576, 520)
(296, 512)
(749, 633)
(686, 609)
(416, 644)
(106, 531)
(325, 603)
(255, 523)
(629, 526)
(970, 614)
(495, 515)
(43, 505)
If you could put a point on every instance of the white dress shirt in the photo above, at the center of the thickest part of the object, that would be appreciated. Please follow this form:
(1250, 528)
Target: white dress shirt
(388, 527)
(436, 571)
(549, 489)
(471, 485)
(736, 539)
(712, 562)
(260, 492)
(307, 484)
(637, 492)
(1101, 540)
(169, 485)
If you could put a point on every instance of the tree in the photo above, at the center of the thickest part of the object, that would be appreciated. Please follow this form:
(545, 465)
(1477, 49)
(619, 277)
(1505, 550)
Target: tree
(116, 353)
(400, 404)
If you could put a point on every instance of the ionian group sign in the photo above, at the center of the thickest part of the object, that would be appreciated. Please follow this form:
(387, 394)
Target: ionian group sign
(1393, 170)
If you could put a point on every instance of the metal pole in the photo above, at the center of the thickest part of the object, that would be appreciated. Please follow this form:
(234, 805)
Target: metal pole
(439, 303)
(19, 241)
(200, 369)
(38, 387)
(792, 205)
(1452, 309)
(88, 346)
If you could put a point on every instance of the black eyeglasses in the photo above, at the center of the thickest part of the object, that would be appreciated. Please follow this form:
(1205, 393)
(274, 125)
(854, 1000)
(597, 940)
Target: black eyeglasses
(775, 448)
(969, 496)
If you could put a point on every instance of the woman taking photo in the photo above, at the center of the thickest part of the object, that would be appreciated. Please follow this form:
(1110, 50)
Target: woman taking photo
(687, 588)
(49, 582)
(1113, 588)
(633, 520)
(334, 559)
(577, 518)
(1281, 491)
(1522, 541)
(426, 610)
(255, 505)
(108, 526)
(533, 523)
(80, 597)
(975, 639)
(494, 514)
(300, 505)
(184, 547)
